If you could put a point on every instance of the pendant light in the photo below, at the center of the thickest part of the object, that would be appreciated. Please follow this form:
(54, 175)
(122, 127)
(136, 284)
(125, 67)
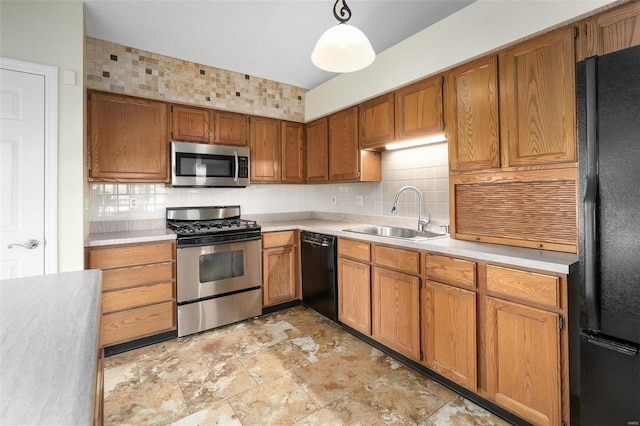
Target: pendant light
(342, 48)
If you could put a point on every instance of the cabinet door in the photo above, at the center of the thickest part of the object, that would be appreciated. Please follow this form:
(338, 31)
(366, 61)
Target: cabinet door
(265, 150)
(523, 360)
(128, 139)
(449, 332)
(611, 31)
(191, 124)
(292, 152)
(472, 107)
(376, 122)
(318, 151)
(278, 275)
(344, 153)
(418, 109)
(396, 316)
(231, 128)
(354, 290)
(537, 101)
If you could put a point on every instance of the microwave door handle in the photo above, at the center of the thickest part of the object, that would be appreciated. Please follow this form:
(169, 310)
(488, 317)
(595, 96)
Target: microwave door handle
(235, 177)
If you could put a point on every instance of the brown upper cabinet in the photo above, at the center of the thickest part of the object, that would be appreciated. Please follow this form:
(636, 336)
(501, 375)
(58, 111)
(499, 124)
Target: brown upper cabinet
(610, 31)
(190, 124)
(128, 138)
(472, 111)
(231, 128)
(318, 150)
(293, 152)
(537, 100)
(346, 161)
(265, 150)
(418, 109)
(376, 122)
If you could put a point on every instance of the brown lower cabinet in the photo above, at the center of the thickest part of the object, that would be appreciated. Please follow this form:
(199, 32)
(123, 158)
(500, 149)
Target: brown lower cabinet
(396, 300)
(495, 330)
(525, 343)
(523, 362)
(280, 271)
(138, 290)
(449, 332)
(448, 307)
(354, 284)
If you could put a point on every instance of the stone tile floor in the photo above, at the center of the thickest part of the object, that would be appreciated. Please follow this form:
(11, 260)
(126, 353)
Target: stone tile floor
(292, 367)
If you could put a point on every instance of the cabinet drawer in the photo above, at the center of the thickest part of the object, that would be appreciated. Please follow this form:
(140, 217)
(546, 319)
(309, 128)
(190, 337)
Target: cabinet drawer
(450, 271)
(526, 286)
(404, 260)
(354, 249)
(129, 255)
(278, 239)
(133, 324)
(139, 296)
(113, 279)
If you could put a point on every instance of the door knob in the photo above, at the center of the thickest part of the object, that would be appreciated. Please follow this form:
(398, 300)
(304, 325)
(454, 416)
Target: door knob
(31, 244)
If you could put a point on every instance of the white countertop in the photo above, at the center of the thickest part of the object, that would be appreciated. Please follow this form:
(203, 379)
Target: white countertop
(543, 260)
(128, 237)
(49, 331)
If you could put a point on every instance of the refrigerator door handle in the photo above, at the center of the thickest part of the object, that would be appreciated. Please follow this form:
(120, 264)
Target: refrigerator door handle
(590, 200)
(612, 345)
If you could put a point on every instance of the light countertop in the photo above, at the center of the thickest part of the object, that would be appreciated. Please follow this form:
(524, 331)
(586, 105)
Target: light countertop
(129, 237)
(543, 260)
(49, 331)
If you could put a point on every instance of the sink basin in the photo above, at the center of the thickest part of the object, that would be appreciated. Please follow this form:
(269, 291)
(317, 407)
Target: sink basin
(395, 232)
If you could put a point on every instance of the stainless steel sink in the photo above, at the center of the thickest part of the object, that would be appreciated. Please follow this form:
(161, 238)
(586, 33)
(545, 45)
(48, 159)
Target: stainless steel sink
(395, 232)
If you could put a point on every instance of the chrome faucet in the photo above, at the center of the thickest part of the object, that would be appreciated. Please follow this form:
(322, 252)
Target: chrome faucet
(422, 222)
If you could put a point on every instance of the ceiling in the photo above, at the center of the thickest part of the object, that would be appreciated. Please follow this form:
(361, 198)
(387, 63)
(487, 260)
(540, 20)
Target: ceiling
(262, 38)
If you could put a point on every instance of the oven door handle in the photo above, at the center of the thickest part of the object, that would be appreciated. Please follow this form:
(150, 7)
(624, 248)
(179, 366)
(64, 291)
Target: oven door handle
(235, 177)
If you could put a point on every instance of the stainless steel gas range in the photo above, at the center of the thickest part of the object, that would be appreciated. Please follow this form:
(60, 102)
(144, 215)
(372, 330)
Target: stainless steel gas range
(219, 269)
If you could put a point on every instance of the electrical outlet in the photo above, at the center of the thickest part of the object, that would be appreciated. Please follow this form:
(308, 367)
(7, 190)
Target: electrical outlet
(133, 202)
(358, 200)
(334, 200)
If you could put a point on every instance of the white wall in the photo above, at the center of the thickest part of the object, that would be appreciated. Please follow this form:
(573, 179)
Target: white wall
(52, 33)
(481, 27)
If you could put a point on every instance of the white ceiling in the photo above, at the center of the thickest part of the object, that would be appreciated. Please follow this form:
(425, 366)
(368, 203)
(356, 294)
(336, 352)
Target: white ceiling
(262, 38)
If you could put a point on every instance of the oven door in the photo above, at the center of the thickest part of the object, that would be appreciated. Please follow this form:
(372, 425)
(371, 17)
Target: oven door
(212, 270)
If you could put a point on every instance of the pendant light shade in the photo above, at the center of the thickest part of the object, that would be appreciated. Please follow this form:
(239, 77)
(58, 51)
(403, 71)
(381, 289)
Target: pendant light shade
(343, 48)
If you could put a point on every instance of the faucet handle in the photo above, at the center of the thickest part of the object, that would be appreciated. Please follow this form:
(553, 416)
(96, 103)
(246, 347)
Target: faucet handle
(426, 220)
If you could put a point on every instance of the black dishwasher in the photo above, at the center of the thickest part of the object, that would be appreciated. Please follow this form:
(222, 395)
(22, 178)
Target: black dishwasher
(319, 273)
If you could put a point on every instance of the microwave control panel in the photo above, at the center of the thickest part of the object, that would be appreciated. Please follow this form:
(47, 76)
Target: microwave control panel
(243, 167)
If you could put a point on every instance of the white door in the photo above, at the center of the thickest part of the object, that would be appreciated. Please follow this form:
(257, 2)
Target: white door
(22, 174)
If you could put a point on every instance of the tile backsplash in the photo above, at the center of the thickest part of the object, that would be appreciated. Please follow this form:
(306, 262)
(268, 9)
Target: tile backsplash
(116, 68)
(423, 167)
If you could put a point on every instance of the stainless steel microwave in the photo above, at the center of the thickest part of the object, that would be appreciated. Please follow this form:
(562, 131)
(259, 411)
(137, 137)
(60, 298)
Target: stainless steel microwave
(197, 164)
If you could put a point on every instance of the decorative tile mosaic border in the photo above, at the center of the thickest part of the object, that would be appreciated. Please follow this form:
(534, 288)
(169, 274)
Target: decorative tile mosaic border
(116, 68)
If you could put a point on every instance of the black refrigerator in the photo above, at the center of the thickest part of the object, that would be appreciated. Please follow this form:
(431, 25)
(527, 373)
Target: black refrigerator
(604, 348)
